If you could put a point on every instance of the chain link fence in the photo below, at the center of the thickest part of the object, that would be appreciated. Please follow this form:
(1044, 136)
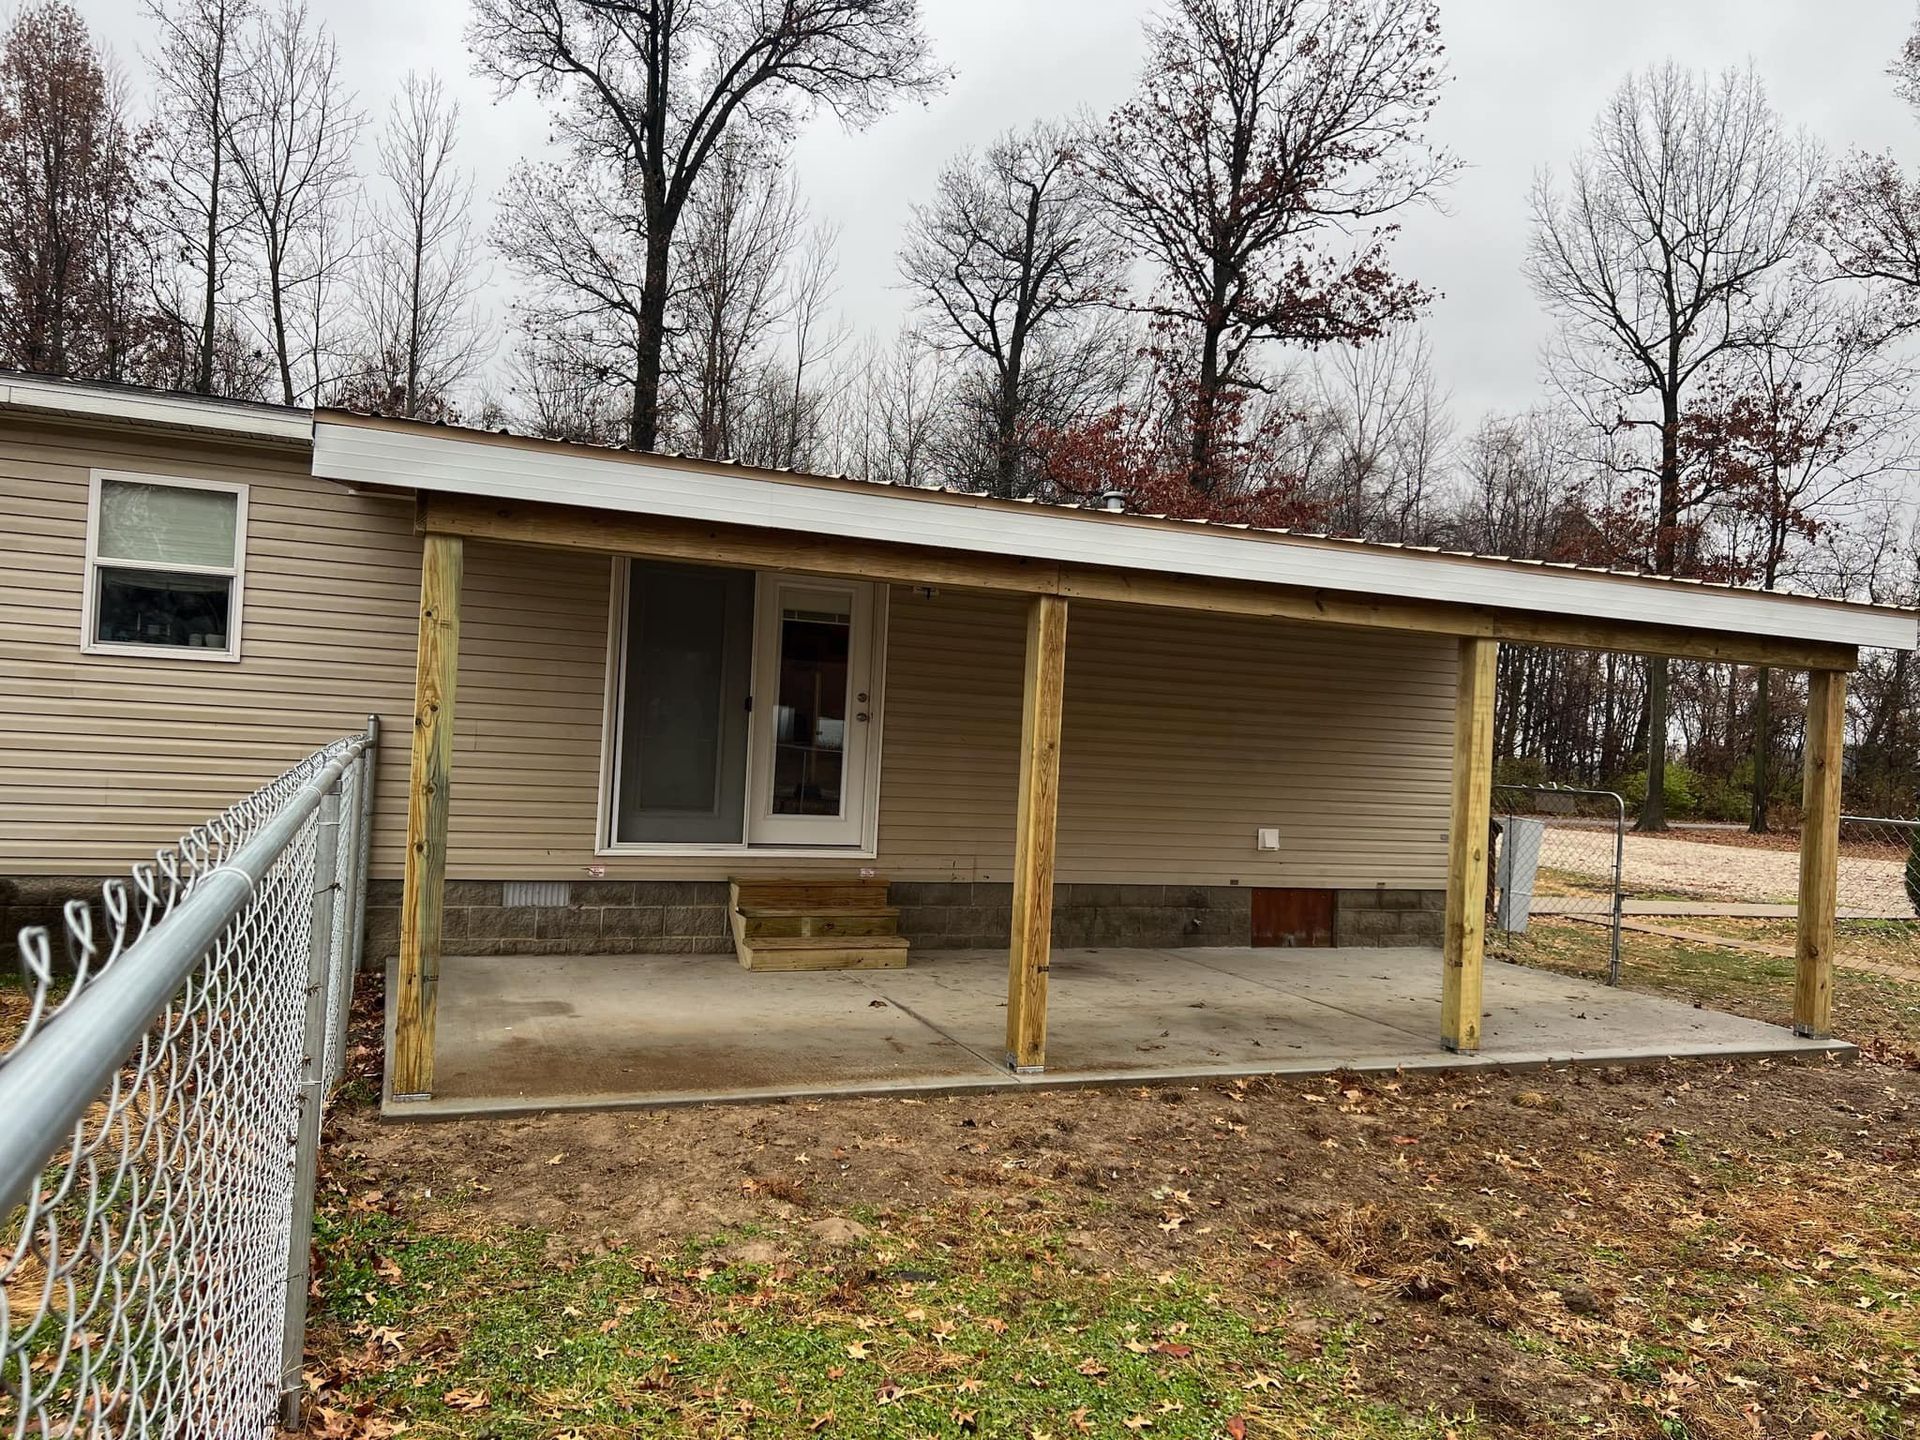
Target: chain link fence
(1559, 852)
(161, 1087)
(1879, 867)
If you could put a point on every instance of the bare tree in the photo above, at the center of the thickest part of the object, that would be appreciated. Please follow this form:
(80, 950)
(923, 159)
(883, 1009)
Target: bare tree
(1256, 166)
(561, 390)
(421, 275)
(1007, 257)
(1389, 431)
(891, 404)
(810, 289)
(1870, 212)
(292, 139)
(1688, 196)
(570, 235)
(1785, 436)
(654, 84)
(194, 78)
(69, 165)
(734, 248)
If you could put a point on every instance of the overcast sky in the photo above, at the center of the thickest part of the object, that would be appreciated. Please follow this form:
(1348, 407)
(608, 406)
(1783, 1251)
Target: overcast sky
(1528, 76)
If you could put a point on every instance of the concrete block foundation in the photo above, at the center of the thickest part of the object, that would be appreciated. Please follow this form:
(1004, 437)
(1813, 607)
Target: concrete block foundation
(671, 917)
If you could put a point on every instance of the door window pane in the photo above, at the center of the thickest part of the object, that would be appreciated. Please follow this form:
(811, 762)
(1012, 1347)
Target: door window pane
(683, 757)
(167, 524)
(153, 607)
(810, 721)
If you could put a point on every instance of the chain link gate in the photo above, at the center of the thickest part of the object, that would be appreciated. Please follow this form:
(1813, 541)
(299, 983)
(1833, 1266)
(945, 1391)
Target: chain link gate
(162, 1097)
(1559, 851)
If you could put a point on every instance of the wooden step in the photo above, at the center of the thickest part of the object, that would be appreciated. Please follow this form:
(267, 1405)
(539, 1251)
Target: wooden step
(822, 952)
(765, 922)
(815, 922)
(828, 892)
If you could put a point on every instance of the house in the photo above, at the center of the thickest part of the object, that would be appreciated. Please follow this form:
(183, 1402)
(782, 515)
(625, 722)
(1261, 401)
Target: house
(615, 682)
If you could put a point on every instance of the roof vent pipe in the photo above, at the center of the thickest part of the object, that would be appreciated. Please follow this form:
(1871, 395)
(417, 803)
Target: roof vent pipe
(1113, 501)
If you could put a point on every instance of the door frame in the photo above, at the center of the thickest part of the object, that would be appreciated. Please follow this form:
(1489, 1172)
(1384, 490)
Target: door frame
(865, 848)
(847, 829)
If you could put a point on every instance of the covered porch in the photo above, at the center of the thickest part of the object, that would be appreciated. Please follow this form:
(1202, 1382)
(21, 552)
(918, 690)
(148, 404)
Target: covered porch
(613, 1030)
(514, 1029)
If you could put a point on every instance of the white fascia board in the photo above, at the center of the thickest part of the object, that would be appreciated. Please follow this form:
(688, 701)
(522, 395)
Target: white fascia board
(177, 412)
(428, 461)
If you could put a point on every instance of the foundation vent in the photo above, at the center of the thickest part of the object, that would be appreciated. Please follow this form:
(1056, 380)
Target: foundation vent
(545, 894)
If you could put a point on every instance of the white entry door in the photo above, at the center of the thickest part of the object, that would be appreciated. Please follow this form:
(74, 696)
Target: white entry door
(812, 712)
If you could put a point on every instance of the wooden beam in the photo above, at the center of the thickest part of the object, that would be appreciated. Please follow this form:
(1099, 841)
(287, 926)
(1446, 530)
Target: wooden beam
(1819, 854)
(1033, 845)
(1466, 934)
(665, 538)
(429, 779)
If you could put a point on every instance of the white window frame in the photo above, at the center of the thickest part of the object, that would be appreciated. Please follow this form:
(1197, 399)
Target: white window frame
(611, 718)
(90, 644)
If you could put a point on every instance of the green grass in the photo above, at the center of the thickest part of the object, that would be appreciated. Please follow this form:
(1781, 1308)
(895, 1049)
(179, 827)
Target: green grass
(1867, 1006)
(487, 1336)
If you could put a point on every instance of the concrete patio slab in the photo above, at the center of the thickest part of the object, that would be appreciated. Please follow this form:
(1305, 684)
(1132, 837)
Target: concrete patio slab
(527, 1033)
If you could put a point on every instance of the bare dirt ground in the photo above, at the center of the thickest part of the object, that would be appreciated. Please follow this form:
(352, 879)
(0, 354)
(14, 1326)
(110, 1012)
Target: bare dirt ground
(1684, 1251)
(1688, 864)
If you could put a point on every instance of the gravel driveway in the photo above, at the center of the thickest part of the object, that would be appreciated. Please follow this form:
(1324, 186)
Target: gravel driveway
(1660, 865)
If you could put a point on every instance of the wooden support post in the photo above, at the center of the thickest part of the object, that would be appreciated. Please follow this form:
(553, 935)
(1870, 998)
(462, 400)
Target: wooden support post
(1033, 844)
(430, 775)
(1819, 853)
(1466, 937)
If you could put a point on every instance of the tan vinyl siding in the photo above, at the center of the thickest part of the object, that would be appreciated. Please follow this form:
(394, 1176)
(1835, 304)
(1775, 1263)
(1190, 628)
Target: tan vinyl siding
(1183, 733)
(103, 758)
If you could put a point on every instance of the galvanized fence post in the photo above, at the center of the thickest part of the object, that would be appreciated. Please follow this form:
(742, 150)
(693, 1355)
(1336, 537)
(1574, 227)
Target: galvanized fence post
(322, 956)
(369, 772)
(1619, 887)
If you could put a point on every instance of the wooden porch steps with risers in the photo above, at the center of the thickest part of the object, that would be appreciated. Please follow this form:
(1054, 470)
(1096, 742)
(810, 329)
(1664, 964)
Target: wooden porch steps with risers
(831, 923)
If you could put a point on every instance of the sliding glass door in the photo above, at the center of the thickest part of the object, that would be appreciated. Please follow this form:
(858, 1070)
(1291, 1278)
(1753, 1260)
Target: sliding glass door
(681, 772)
(743, 709)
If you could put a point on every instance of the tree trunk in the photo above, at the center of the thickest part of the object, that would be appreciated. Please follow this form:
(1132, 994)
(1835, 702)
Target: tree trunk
(1653, 810)
(279, 299)
(1762, 749)
(1006, 435)
(1206, 416)
(644, 433)
(412, 398)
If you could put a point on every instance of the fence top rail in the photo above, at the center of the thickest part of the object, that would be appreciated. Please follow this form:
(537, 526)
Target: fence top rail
(1572, 793)
(122, 982)
(1880, 820)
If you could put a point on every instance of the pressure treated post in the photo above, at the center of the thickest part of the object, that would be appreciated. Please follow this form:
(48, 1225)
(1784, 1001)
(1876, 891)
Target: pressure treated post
(1819, 853)
(1466, 936)
(430, 774)
(1033, 844)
